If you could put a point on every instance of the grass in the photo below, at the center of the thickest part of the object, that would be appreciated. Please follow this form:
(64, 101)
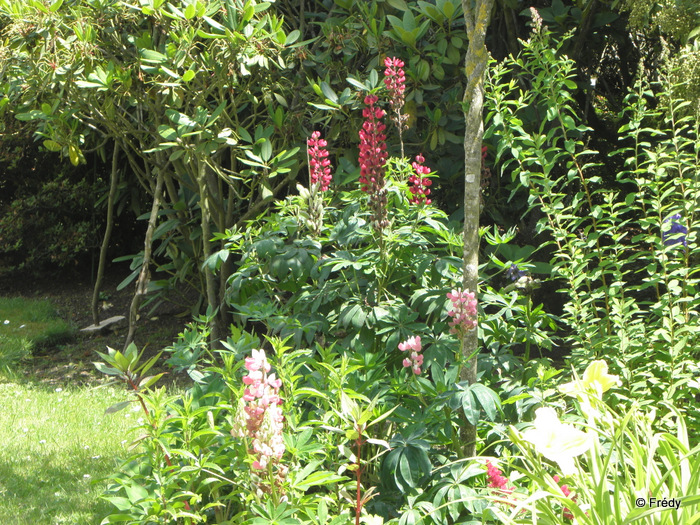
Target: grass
(26, 324)
(57, 445)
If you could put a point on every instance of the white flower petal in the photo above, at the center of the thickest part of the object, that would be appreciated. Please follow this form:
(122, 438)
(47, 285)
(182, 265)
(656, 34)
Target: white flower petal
(556, 441)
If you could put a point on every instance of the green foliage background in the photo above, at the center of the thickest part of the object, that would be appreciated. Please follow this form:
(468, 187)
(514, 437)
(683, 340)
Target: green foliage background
(592, 148)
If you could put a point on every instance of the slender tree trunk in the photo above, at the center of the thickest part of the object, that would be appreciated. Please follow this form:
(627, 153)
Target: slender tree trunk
(144, 274)
(584, 29)
(206, 248)
(477, 14)
(510, 18)
(227, 266)
(114, 179)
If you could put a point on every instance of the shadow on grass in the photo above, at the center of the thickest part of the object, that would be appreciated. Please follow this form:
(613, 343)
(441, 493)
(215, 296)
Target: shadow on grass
(41, 490)
(26, 325)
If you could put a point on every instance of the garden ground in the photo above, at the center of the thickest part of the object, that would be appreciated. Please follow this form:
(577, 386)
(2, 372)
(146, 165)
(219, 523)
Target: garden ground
(70, 363)
(58, 443)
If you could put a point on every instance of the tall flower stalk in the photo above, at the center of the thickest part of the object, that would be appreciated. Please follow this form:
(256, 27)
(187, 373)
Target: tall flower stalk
(319, 180)
(420, 185)
(464, 318)
(463, 312)
(373, 156)
(319, 166)
(395, 81)
(260, 420)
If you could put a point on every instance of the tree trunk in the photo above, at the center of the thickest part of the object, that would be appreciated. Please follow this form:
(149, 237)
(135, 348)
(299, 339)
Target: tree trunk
(114, 179)
(227, 266)
(477, 14)
(210, 282)
(144, 274)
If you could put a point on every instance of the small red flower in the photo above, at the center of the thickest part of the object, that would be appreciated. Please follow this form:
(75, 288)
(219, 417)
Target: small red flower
(567, 492)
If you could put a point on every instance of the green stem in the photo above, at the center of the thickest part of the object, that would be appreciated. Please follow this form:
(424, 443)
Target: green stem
(358, 475)
(528, 318)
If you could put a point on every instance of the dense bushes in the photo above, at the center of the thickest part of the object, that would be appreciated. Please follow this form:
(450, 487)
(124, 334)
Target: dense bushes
(623, 251)
(346, 291)
(55, 225)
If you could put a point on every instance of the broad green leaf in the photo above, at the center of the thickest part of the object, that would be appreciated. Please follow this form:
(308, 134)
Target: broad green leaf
(292, 37)
(448, 9)
(401, 5)
(108, 370)
(469, 406)
(52, 145)
(328, 92)
(488, 399)
(356, 83)
(170, 72)
(149, 55)
(147, 382)
(243, 133)
(30, 115)
(266, 151)
(405, 470)
(89, 85)
(167, 132)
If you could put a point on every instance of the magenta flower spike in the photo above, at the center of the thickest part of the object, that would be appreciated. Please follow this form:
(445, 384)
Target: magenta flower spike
(372, 159)
(567, 492)
(395, 81)
(319, 165)
(420, 185)
(496, 478)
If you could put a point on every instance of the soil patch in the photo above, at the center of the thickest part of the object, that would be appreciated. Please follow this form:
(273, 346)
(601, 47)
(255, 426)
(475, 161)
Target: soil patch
(72, 295)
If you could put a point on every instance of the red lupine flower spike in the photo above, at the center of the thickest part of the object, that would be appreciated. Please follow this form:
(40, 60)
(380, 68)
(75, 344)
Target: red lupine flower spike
(420, 184)
(372, 159)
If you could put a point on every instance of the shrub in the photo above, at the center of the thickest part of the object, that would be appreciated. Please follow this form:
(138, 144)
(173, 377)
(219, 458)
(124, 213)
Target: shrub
(52, 227)
(623, 252)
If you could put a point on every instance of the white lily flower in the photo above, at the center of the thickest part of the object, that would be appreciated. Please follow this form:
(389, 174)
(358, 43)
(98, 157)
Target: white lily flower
(559, 442)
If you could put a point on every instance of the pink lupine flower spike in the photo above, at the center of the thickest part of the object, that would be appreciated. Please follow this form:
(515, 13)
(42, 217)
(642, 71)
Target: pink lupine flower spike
(413, 346)
(319, 165)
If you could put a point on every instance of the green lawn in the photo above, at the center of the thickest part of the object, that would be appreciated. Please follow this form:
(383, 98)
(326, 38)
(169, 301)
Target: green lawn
(26, 324)
(56, 446)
